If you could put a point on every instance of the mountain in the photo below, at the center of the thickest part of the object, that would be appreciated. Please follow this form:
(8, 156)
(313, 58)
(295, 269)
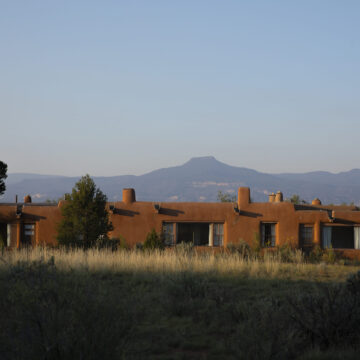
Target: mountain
(199, 179)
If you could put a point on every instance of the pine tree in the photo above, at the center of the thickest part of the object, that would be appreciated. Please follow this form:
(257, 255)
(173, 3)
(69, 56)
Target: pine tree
(85, 218)
(3, 176)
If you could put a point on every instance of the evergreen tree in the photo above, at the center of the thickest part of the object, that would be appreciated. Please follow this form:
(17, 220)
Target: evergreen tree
(3, 176)
(85, 218)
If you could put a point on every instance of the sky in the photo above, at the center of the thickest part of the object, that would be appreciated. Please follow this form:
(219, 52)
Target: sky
(126, 87)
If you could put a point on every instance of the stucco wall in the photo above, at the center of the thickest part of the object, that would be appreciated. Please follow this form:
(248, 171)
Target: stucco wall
(133, 220)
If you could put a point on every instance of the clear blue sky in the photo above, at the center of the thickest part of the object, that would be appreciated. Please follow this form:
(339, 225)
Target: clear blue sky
(125, 87)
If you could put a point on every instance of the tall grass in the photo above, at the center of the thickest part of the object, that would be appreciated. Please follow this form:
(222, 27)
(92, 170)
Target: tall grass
(166, 262)
(180, 304)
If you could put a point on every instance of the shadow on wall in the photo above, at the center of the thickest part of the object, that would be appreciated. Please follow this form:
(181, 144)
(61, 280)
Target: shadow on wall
(124, 212)
(170, 212)
(249, 214)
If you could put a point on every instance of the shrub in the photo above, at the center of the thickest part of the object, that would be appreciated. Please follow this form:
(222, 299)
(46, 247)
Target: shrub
(329, 316)
(122, 243)
(255, 245)
(353, 284)
(139, 246)
(112, 244)
(288, 254)
(316, 254)
(242, 248)
(329, 256)
(185, 294)
(184, 248)
(154, 241)
(54, 315)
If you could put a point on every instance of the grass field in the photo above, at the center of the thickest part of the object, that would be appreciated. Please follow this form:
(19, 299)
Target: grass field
(59, 304)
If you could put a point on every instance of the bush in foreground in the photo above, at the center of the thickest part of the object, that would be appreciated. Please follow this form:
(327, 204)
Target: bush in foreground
(154, 241)
(54, 315)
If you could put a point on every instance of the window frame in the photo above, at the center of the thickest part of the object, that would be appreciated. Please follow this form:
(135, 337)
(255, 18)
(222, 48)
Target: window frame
(303, 230)
(28, 234)
(169, 234)
(273, 237)
(218, 236)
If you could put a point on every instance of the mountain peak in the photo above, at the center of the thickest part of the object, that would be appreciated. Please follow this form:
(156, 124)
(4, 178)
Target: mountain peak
(202, 160)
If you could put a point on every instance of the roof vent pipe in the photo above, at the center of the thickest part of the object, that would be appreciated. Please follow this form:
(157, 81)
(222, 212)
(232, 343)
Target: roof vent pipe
(272, 197)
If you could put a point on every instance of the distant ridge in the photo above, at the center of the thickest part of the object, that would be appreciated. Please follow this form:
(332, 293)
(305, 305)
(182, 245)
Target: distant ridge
(199, 179)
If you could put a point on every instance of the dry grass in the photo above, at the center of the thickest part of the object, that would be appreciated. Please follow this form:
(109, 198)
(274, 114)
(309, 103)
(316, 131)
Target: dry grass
(165, 262)
(173, 305)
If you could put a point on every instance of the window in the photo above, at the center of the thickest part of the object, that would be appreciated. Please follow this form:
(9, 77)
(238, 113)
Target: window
(200, 234)
(196, 233)
(268, 237)
(218, 234)
(168, 231)
(326, 237)
(306, 235)
(339, 237)
(28, 234)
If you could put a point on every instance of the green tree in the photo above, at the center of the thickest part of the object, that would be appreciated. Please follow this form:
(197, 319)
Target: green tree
(3, 176)
(223, 197)
(85, 218)
(295, 199)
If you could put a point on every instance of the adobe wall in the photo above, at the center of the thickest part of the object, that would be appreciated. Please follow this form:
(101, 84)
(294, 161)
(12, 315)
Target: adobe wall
(133, 220)
(46, 219)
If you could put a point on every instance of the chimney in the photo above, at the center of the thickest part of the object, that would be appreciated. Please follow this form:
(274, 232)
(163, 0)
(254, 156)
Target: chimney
(27, 199)
(272, 197)
(316, 201)
(128, 196)
(279, 196)
(243, 197)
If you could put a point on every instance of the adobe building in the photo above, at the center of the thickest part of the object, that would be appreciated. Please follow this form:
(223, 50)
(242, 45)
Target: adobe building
(274, 223)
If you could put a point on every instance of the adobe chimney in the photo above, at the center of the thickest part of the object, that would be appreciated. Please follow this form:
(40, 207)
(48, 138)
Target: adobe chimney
(27, 199)
(279, 196)
(272, 197)
(128, 196)
(243, 197)
(316, 201)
